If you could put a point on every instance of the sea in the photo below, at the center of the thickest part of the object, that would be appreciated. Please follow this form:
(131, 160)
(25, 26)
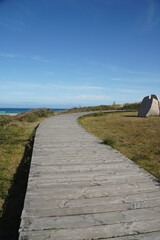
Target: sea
(21, 110)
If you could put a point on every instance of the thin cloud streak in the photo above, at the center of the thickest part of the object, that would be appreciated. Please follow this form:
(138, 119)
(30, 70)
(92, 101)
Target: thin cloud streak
(115, 68)
(91, 97)
(136, 80)
(51, 73)
(50, 98)
(7, 55)
(29, 86)
(13, 24)
(152, 17)
(41, 59)
(76, 97)
(152, 12)
(50, 86)
(35, 58)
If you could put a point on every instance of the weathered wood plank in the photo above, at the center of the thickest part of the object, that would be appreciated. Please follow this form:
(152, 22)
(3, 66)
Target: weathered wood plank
(61, 208)
(96, 232)
(148, 236)
(89, 220)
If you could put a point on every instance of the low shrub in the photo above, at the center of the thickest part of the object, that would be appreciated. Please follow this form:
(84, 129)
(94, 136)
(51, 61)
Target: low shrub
(33, 115)
(131, 106)
(110, 142)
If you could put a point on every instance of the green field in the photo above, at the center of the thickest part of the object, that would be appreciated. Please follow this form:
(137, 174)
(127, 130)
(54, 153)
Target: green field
(136, 138)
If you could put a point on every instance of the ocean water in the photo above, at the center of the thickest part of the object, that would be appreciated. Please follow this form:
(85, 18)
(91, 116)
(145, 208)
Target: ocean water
(21, 110)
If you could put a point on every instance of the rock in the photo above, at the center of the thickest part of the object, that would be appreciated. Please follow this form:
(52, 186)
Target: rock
(150, 106)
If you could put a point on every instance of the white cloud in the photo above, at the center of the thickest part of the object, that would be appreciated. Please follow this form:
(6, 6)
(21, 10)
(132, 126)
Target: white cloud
(152, 16)
(115, 68)
(41, 59)
(82, 87)
(51, 73)
(7, 55)
(137, 80)
(45, 86)
(13, 24)
(118, 79)
(130, 90)
(90, 97)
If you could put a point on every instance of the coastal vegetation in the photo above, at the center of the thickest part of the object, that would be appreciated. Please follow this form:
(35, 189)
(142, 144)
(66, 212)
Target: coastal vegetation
(16, 141)
(136, 138)
(17, 132)
(126, 107)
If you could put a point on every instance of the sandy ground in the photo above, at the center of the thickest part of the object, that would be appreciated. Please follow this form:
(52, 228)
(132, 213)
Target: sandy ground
(10, 114)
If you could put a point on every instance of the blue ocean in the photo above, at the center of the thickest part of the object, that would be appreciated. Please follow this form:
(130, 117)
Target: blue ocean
(21, 110)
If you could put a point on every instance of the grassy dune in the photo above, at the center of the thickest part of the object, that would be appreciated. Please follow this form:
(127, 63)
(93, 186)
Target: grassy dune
(136, 138)
(16, 132)
(126, 106)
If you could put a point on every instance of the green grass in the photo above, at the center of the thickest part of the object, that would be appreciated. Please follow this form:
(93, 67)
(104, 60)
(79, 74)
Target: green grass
(15, 134)
(137, 138)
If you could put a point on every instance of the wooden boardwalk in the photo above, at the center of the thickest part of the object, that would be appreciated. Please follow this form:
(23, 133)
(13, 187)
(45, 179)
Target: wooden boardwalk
(80, 189)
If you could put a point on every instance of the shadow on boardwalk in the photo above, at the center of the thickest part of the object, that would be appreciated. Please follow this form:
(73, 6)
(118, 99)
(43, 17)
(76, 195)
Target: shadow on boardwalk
(13, 206)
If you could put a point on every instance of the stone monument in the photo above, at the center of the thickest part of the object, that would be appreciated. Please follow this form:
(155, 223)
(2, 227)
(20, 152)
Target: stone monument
(150, 106)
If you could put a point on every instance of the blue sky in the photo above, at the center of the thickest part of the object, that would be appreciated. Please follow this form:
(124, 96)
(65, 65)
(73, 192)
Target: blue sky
(66, 53)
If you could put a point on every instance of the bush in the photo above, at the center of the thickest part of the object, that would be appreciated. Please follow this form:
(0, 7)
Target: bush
(131, 106)
(110, 142)
(97, 114)
(33, 115)
(126, 107)
(4, 120)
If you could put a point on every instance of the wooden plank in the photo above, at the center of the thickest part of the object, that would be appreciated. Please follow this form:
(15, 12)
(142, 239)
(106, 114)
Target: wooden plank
(148, 236)
(89, 220)
(96, 232)
(50, 209)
